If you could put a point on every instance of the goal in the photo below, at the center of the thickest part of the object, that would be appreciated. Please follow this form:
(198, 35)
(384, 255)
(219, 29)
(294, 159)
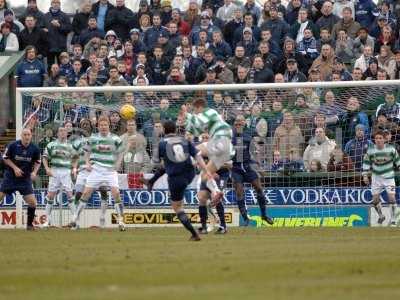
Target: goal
(305, 145)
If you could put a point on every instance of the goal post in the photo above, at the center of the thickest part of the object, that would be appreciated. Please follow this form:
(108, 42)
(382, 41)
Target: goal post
(284, 121)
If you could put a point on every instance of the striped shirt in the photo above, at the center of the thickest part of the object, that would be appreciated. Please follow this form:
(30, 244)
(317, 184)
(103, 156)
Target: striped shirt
(208, 121)
(104, 150)
(59, 154)
(79, 146)
(382, 162)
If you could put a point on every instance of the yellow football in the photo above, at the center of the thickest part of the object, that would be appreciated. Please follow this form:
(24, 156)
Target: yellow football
(127, 112)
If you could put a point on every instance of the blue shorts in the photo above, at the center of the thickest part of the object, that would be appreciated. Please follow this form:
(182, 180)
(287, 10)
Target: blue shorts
(178, 184)
(24, 187)
(244, 174)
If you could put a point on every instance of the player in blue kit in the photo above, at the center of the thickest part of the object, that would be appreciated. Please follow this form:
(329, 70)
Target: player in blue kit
(243, 172)
(176, 153)
(22, 161)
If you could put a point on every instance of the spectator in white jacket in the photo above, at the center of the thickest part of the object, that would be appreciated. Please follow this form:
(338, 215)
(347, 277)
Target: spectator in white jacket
(226, 12)
(363, 61)
(8, 40)
(319, 148)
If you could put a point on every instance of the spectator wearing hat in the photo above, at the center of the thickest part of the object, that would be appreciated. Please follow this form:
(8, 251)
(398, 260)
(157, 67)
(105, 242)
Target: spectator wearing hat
(155, 6)
(205, 25)
(58, 26)
(248, 42)
(137, 43)
(363, 61)
(259, 73)
(358, 146)
(231, 26)
(80, 20)
(328, 19)
(372, 71)
(140, 73)
(168, 49)
(363, 39)
(90, 32)
(166, 12)
(15, 25)
(292, 73)
(248, 23)
(153, 33)
(8, 40)
(344, 47)
(119, 19)
(30, 72)
(279, 28)
(101, 9)
(192, 14)
(324, 62)
(220, 48)
(227, 11)
(33, 35)
(33, 10)
(347, 23)
(365, 12)
(296, 30)
(183, 26)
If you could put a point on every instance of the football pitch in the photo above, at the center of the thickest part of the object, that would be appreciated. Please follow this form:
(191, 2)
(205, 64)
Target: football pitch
(247, 263)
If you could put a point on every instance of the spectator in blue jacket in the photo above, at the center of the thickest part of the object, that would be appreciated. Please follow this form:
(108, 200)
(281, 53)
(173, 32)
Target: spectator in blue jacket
(248, 22)
(31, 71)
(357, 147)
(365, 11)
(90, 32)
(220, 48)
(151, 35)
(205, 24)
(351, 118)
(279, 28)
(390, 109)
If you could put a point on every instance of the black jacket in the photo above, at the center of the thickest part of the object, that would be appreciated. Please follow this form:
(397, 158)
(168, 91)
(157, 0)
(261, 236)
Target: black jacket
(37, 38)
(261, 76)
(57, 36)
(119, 20)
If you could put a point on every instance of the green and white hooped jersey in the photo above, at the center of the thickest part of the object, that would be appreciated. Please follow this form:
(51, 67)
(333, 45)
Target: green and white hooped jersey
(381, 162)
(79, 147)
(59, 154)
(208, 121)
(104, 150)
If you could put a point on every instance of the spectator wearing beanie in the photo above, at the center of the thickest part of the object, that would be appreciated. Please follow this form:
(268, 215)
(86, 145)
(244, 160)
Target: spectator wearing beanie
(15, 25)
(32, 10)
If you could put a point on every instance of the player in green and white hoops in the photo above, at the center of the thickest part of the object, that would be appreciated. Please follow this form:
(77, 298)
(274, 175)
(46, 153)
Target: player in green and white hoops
(218, 149)
(381, 160)
(102, 156)
(59, 159)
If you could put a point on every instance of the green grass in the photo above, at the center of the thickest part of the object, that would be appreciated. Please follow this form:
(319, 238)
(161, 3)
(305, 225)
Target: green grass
(247, 263)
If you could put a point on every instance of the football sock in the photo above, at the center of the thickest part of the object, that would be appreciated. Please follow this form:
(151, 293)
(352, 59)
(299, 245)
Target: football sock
(212, 186)
(72, 205)
(186, 222)
(103, 209)
(48, 209)
(392, 212)
(242, 209)
(378, 208)
(261, 203)
(221, 214)
(78, 196)
(81, 206)
(119, 209)
(203, 216)
(31, 215)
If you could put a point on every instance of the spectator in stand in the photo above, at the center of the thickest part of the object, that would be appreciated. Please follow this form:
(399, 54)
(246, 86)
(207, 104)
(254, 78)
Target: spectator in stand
(58, 27)
(8, 40)
(231, 26)
(34, 36)
(3, 7)
(140, 73)
(174, 36)
(248, 22)
(241, 74)
(363, 61)
(54, 74)
(319, 148)
(259, 73)
(33, 10)
(339, 66)
(205, 25)
(183, 26)
(192, 15)
(340, 162)
(328, 19)
(386, 61)
(119, 19)
(80, 21)
(347, 23)
(386, 37)
(227, 11)
(144, 24)
(289, 51)
(128, 57)
(302, 22)
(362, 40)
(351, 118)
(209, 61)
(390, 109)
(223, 73)
(159, 66)
(65, 64)
(372, 71)
(76, 73)
(115, 79)
(137, 43)
(15, 25)
(248, 42)
(31, 71)
(324, 62)
(344, 47)
(274, 47)
(269, 58)
(288, 136)
(251, 7)
(293, 12)
(358, 146)
(238, 59)
(292, 73)
(365, 12)
(166, 12)
(144, 9)
(101, 9)
(151, 35)
(307, 47)
(90, 32)
(220, 48)
(279, 28)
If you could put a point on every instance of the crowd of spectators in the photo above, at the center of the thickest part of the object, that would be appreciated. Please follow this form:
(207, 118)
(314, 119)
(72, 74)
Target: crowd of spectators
(222, 42)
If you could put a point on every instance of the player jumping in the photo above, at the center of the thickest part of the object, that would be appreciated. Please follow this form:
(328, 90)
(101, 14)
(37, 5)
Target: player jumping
(382, 159)
(22, 160)
(242, 171)
(176, 153)
(218, 149)
(59, 160)
(102, 153)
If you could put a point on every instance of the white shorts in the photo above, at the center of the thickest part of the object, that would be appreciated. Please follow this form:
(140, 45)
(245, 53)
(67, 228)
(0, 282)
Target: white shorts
(220, 151)
(100, 176)
(380, 184)
(61, 180)
(81, 180)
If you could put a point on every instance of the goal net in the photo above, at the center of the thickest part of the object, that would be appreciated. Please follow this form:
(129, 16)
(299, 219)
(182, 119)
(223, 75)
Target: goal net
(308, 141)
